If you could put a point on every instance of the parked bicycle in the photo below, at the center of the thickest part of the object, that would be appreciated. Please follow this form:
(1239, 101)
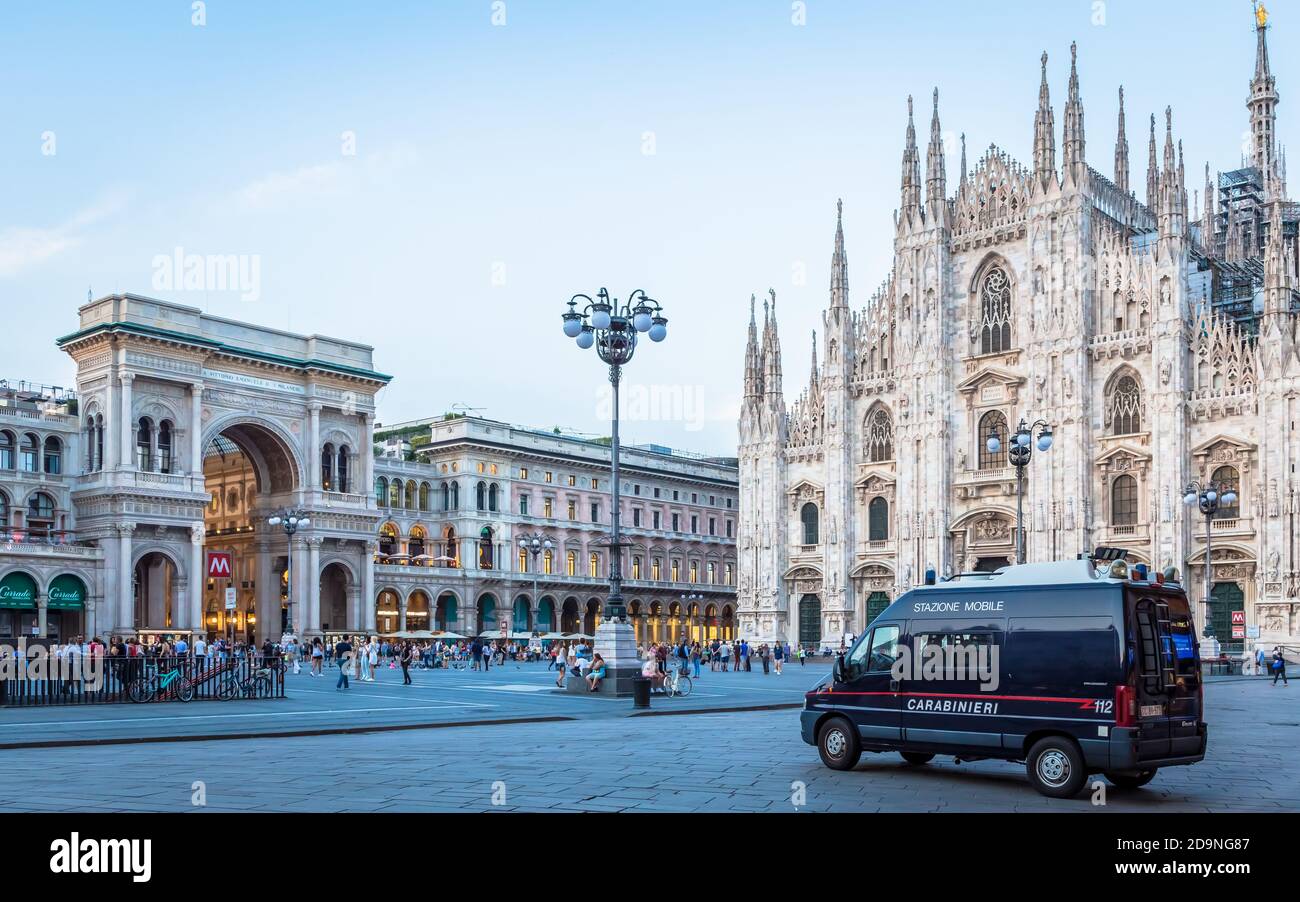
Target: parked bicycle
(154, 684)
(257, 685)
(677, 683)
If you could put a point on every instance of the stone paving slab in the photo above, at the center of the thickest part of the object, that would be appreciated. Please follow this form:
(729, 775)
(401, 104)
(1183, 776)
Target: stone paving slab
(745, 761)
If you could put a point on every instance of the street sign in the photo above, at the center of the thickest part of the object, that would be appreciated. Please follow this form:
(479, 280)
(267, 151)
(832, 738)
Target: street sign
(1238, 617)
(220, 565)
(1252, 632)
(1239, 632)
(231, 601)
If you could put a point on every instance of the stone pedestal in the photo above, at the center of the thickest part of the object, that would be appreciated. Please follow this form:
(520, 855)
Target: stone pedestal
(616, 644)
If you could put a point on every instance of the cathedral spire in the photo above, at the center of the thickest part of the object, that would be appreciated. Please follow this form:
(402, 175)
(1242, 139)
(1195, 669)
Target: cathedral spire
(771, 352)
(911, 200)
(936, 181)
(1044, 133)
(1121, 149)
(753, 360)
(1207, 215)
(815, 377)
(1072, 141)
(1153, 171)
(1277, 275)
(1263, 106)
(839, 263)
(962, 180)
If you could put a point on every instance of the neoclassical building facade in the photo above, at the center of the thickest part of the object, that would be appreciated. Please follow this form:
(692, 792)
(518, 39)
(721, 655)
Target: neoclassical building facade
(1159, 342)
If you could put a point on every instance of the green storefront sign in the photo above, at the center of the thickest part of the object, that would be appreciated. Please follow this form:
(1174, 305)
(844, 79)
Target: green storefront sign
(17, 590)
(66, 593)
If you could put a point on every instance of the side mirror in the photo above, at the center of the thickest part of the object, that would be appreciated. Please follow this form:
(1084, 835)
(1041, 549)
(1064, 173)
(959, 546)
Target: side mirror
(837, 670)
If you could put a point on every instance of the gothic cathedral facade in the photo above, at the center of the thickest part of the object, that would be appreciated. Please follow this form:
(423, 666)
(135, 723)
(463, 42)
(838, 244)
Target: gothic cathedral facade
(1158, 344)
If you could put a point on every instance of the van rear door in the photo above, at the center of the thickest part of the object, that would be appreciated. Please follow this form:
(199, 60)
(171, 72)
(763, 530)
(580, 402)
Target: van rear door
(1167, 674)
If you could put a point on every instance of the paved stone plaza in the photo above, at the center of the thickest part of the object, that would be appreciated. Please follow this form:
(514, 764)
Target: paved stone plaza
(595, 757)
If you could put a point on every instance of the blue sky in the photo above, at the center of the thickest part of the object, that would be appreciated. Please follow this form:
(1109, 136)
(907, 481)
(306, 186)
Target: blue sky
(499, 168)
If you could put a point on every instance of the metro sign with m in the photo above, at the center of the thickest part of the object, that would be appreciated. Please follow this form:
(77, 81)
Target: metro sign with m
(220, 565)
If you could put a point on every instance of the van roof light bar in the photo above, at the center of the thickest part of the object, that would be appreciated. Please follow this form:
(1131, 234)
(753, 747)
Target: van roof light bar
(1107, 553)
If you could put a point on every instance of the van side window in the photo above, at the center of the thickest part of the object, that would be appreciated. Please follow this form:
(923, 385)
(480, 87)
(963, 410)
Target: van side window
(877, 653)
(961, 652)
(1062, 654)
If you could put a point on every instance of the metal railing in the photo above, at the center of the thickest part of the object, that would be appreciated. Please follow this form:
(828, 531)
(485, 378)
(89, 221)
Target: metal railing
(68, 680)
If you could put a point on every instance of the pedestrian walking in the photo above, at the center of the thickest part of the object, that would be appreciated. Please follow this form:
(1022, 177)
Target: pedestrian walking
(778, 657)
(1260, 660)
(343, 654)
(404, 656)
(1279, 667)
(763, 654)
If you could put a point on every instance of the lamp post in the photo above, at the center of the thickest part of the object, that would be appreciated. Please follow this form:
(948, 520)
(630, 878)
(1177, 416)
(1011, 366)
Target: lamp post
(535, 544)
(613, 328)
(1209, 497)
(686, 609)
(1020, 453)
(291, 521)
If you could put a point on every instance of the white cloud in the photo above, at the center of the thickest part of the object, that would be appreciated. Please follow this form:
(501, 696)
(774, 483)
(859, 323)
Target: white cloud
(320, 178)
(22, 247)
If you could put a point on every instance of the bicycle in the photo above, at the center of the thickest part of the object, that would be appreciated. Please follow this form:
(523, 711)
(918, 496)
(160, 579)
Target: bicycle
(153, 684)
(257, 685)
(678, 683)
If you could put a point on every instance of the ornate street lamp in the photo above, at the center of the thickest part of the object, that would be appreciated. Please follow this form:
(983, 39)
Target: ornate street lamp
(1209, 497)
(613, 328)
(1020, 453)
(535, 544)
(291, 521)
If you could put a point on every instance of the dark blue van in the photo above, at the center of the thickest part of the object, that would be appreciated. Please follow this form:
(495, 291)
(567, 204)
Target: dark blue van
(1071, 667)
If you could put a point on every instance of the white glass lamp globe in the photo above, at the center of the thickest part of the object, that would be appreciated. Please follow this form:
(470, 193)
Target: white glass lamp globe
(572, 326)
(305, 521)
(993, 444)
(600, 319)
(274, 521)
(642, 322)
(658, 332)
(1211, 496)
(1230, 498)
(1045, 442)
(586, 339)
(1022, 439)
(1189, 498)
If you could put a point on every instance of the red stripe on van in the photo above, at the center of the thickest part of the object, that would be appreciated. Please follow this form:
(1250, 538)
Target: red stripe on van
(980, 695)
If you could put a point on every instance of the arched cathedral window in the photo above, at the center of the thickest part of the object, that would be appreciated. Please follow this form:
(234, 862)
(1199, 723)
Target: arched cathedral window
(1229, 480)
(880, 436)
(995, 313)
(1125, 407)
(810, 522)
(1124, 501)
(878, 520)
(992, 423)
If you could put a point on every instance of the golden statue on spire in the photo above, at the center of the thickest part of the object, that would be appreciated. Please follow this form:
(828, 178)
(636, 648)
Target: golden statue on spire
(1261, 16)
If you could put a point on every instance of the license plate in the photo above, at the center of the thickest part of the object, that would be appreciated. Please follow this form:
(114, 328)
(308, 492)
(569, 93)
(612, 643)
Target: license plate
(1152, 710)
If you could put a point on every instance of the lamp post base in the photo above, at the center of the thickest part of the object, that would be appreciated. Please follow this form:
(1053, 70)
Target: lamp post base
(616, 644)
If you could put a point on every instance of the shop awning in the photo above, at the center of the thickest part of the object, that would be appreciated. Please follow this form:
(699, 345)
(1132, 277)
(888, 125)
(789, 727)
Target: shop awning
(67, 592)
(17, 590)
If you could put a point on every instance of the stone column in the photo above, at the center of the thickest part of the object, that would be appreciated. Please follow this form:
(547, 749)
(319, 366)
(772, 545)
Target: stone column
(112, 413)
(311, 614)
(367, 452)
(353, 620)
(196, 429)
(401, 613)
(197, 578)
(368, 584)
(124, 621)
(126, 430)
(42, 616)
(313, 446)
(268, 594)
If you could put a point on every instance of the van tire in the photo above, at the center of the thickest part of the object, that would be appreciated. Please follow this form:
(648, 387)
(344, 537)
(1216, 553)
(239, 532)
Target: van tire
(1055, 767)
(917, 758)
(837, 743)
(1131, 779)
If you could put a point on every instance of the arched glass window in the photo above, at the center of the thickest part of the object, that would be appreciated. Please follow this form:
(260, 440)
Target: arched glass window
(424, 496)
(395, 493)
(492, 497)
(99, 442)
(1124, 501)
(327, 468)
(1230, 480)
(53, 456)
(415, 545)
(995, 313)
(40, 515)
(144, 445)
(486, 556)
(808, 516)
(165, 446)
(1126, 407)
(446, 497)
(8, 460)
(4, 509)
(341, 473)
(410, 495)
(388, 539)
(451, 548)
(878, 520)
(31, 453)
(992, 423)
(381, 491)
(455, 496)
(880, 436)
(480, 496)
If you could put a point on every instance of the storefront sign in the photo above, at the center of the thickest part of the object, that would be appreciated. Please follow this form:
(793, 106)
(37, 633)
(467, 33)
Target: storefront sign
(17, 590)
(231, 600)
(67, 592)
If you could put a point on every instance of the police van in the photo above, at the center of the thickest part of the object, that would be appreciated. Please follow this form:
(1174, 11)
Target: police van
(1073, 667)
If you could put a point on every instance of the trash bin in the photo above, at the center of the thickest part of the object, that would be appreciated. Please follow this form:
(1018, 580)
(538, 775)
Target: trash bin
(640, 692)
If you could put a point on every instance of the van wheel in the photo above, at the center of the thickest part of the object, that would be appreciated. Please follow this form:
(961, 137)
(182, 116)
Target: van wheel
(1056, 768)
(837, 742)
(1131, 779)
(917, 757)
